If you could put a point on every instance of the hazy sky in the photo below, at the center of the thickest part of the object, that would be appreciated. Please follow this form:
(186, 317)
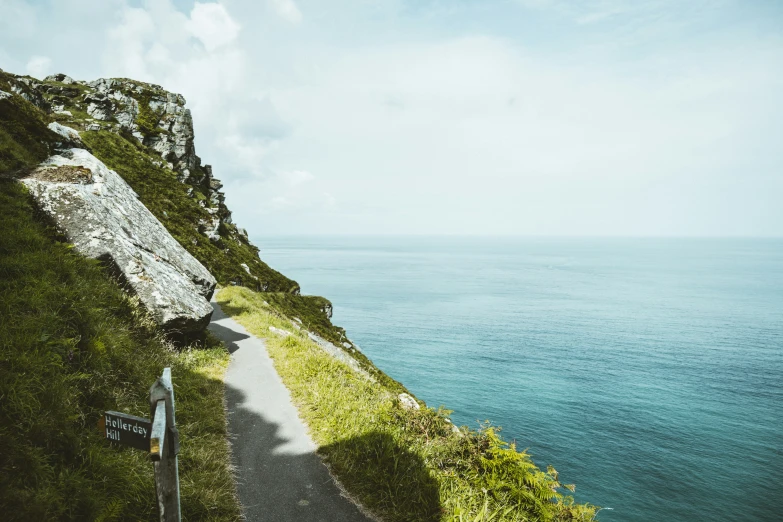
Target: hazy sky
(532, 117)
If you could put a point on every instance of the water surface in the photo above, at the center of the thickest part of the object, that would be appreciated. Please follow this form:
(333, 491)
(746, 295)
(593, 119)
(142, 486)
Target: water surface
(647, 371)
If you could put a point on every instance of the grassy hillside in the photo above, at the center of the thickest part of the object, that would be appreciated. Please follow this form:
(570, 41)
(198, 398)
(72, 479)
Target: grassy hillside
(73, 345)
(405, 465)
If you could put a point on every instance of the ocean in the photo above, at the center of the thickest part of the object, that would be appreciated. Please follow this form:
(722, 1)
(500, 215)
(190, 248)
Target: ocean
(649, 372)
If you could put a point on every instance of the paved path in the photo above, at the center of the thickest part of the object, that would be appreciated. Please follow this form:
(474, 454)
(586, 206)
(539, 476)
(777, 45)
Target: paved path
(280, 478)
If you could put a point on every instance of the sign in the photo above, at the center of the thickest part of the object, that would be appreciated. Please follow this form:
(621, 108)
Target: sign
(127, 430)
(159, 438)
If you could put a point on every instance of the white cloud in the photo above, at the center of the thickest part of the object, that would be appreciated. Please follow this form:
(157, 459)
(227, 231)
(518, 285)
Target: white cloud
(653, 124)
(296, 178)
(287, 9)
(39, 66)
(18, 19)
(154, 43)
(212, 25)
(279, 203)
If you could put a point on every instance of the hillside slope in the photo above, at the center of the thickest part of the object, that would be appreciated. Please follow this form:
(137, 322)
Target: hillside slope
(145, 134)
(73, 345)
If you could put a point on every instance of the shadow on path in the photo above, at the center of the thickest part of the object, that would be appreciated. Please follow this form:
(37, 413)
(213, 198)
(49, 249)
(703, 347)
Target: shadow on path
(399, 482)
(277, 480)
(279, 475)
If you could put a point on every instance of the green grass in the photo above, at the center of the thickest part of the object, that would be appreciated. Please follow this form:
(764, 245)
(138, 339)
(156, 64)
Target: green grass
(147, 120)
(73, 345)
(24, 138)
(404, 465)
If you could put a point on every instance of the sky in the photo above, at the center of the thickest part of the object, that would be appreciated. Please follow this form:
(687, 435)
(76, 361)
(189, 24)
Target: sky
(459, 117)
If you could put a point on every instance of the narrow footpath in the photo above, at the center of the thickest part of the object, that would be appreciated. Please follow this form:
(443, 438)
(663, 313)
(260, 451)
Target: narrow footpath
(280, 478)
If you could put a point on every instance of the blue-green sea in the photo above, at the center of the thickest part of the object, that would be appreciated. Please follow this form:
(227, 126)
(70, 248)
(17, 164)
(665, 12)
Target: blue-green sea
(647, 371)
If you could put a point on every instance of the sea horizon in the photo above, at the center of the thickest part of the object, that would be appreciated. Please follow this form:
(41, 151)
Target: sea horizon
(638, 369)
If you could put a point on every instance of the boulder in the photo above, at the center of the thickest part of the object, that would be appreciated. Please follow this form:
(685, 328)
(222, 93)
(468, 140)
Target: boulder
(62, 78)
(71, 137)
(103, 217)
(408, 402)
(279, 331)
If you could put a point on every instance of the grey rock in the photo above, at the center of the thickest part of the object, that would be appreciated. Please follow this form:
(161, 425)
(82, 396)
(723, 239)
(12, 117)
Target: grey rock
(29, 90)
(102, 216)
(338, 353)
(408, 402)
(4, 95)
(70, 136)
(60, 109)
(103, 84)
(279, 331)
(211, 228)
(175, 145)
(99, 106)
(62, 78)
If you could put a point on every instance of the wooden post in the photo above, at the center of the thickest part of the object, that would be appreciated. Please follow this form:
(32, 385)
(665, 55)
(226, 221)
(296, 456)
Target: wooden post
(164, 448)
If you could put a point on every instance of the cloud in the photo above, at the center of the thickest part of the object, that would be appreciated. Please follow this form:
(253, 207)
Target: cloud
(296, 178)
(287, 9)
(601, 117)
(212, 25)
(588, 144)
(18, 20)
(234, 128)
(39, 66)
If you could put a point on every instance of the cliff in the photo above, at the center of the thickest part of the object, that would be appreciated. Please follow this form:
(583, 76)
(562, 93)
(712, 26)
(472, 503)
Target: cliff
(100, 181)
(145, 135)
(74, 344)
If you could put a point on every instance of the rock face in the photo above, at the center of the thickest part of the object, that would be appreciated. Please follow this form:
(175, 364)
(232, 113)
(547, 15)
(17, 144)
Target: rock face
(103, 217)
(160, 127)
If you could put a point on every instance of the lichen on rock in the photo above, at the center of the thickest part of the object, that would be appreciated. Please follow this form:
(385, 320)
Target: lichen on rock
(100, 213)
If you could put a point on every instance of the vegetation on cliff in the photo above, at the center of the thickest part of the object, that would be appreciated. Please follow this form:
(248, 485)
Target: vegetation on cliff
(403, 464)
(24, 139)
(166, 197)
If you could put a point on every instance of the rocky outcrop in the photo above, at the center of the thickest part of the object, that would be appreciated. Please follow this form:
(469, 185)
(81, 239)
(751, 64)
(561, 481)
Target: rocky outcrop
(103, 217)
(62, 78)
(160, 127)
(156, 118)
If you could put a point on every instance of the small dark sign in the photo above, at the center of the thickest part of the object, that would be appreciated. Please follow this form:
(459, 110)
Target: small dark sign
(126, 429)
